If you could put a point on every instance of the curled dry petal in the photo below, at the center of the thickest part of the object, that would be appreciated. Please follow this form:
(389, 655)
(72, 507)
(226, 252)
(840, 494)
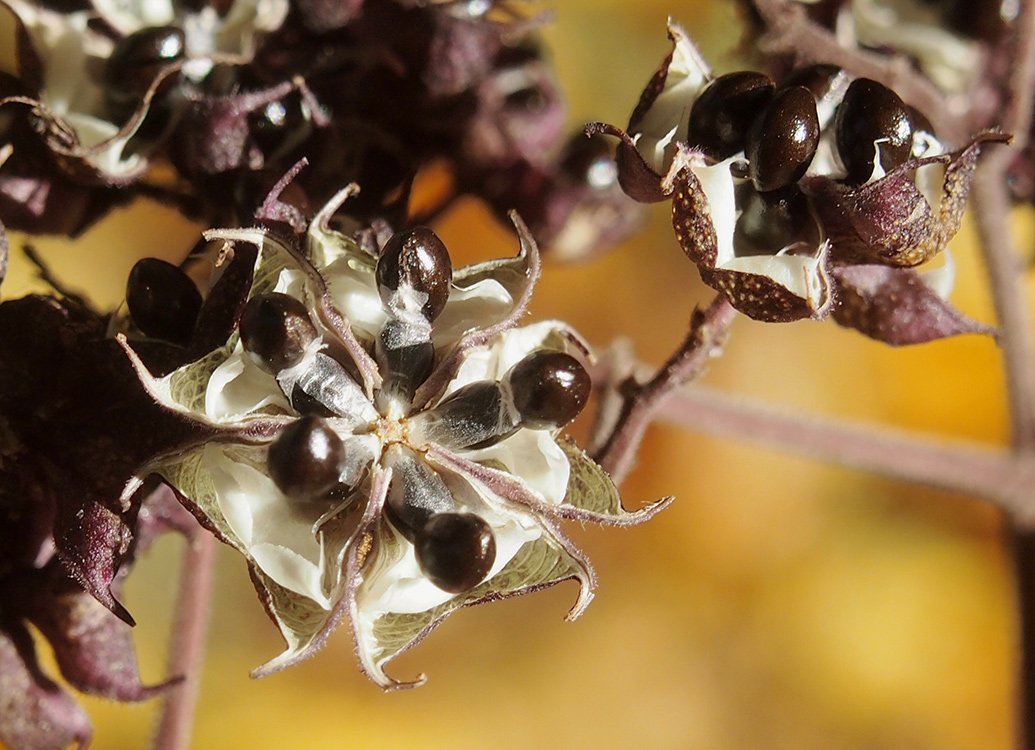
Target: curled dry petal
(896, 306)
(93, 648)
(904, 218)
(35, 713)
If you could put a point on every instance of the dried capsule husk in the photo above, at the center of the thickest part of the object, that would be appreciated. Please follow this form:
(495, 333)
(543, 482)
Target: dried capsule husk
(903, 218)
(659, 122)
(789, 282)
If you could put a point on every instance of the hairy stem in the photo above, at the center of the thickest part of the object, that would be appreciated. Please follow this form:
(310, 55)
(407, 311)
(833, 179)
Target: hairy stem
(707, 336)
(188, 643)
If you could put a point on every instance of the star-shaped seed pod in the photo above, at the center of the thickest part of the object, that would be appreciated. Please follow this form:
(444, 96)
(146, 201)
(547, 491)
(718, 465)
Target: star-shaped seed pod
(792, 197)
(387, 441)
(95, 74)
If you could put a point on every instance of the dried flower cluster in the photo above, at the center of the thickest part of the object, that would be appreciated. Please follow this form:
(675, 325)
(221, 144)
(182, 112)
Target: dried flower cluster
(374, 430)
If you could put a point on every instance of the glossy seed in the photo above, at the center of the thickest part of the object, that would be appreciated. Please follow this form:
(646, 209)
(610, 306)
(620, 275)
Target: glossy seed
(417, 260)
(473, 416)
(305, 459)
(162, 300)
(549, 389)
(870, 112)
(721, 115)
(275, 331)
(770, 221)
(416, 492)
(138, 59)
(271, 125)
(455, 550)
(783, 139)
(816, 78)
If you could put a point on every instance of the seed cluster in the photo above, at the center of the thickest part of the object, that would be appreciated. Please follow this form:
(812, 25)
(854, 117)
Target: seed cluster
(311, 460)
(777, 131)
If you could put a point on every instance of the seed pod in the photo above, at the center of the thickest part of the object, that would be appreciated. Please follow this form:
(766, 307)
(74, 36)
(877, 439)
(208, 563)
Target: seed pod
(162, 300)
(136, 61)
(414, 260)
(275, 331)
(305, 459)
(549, 389)
(770, 221)
(721, 115)
(783, 139)
(455, 550)
(870, 112)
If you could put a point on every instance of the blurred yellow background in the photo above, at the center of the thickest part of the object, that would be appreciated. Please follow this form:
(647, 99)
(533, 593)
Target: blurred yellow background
(779, 603)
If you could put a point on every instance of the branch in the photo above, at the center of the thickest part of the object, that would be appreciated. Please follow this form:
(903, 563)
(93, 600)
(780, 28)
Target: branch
(996, 476)
(707, 336)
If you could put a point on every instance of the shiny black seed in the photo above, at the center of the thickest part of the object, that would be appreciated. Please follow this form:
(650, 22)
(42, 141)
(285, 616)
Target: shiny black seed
(137, 60)
(417, 259)
(816, 78)
(921, 125)
(162, 300)
(770, 221)
(590, 161)
(305, 459)
(473, 416)
(783, 139)
(404, 360)
(272, 125)
(721, 115)
(869, 112)
(455, 550)
(416, 492)
(549, 389)
(275, 331)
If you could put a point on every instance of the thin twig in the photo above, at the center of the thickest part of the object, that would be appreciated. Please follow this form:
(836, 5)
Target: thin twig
(188, 643)
(972, 469)
(707, 336)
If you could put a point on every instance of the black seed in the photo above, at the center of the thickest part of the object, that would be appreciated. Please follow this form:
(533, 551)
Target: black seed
(162, 300)
(418, 259)
(871, 111)
(721, 115)
(770, 221)
(783, 139)
(919, 121)
(416, 492)
(306, 458)
(473, 416)
(455, 550)
(136, 61)
(590, 161)
(275, 331)
(273, 124)
(816, 78)
(549, 389)
(404, 360)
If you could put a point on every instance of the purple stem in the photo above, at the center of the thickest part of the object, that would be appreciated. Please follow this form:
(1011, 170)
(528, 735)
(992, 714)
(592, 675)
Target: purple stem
(188, 643)
(707, 336)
